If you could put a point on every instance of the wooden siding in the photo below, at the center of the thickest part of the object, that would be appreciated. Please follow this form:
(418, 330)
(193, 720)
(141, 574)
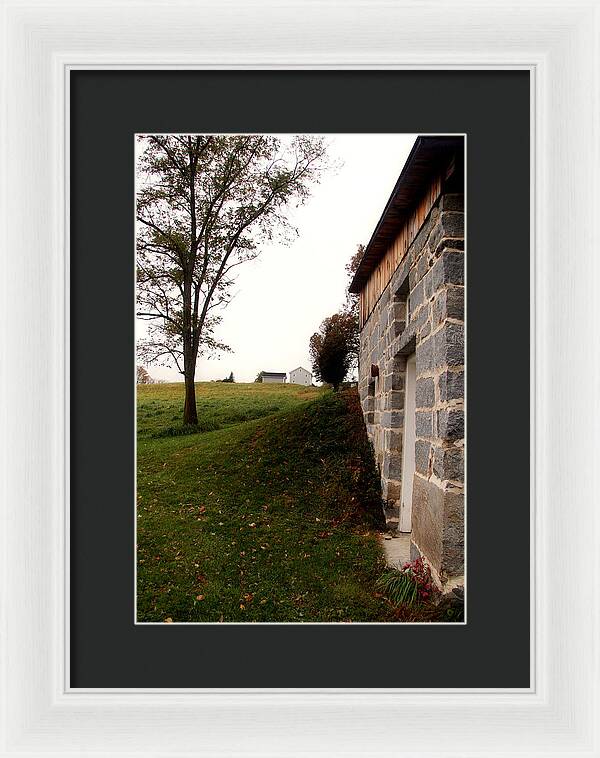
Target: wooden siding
(382, 273)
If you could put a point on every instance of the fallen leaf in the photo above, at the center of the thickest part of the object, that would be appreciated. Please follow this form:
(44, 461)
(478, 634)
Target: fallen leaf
(199, 597)
(169, 620)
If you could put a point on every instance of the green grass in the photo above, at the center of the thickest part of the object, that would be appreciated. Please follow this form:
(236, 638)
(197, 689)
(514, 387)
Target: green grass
(160, 406)
(269, 516)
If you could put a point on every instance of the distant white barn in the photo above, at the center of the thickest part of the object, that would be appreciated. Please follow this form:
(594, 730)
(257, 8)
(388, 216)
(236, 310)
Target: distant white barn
(272, 377)
(301, 376)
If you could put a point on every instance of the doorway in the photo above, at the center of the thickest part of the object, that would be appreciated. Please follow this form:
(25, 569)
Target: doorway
(408, 445)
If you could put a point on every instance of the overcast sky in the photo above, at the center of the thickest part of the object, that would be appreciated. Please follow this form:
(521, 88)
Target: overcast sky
(282, 296)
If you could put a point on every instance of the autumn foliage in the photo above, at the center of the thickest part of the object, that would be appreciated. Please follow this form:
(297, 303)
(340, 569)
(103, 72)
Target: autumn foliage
(333, 349)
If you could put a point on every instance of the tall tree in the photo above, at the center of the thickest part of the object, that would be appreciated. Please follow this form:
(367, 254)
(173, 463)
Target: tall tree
(204, 206)
(334, 347)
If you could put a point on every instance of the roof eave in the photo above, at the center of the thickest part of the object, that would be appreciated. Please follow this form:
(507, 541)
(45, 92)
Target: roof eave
(427, 155)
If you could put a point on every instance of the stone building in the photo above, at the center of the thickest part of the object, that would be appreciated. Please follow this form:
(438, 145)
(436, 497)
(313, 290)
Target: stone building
(411, 365)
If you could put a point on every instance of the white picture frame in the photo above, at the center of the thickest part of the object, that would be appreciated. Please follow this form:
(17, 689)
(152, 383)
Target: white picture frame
(558, 44)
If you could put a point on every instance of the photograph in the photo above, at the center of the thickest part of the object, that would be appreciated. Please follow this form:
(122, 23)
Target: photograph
(300, 378)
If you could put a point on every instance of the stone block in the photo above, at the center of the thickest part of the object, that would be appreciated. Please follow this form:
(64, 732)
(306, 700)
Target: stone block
(448, 463)
(452, 202)
(428, 284)
(398, 310)
(392, 465)
(397, 317)
(451, 386)
(438, 526)
(397, 327)
(425, 393)
(451, 424)
(420, 317)
(449, 345)
(428, 519)
(438, 308)
(392, 440)
(422, 449)
(398, 376)
(450, 244)
(399, 367)
(425, 331)
(455, 303)
(453, 535)
(449, 303)
(448, 269)
(392, 419)
(452, 223)
(425, 356)
(395, 400)
(416, 297)
(424, 423)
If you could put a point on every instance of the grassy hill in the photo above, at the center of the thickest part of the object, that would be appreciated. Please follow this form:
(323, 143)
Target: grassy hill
(268, 514)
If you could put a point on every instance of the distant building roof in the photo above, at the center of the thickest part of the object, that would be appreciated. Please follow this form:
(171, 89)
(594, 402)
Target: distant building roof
(303, 369)
(428, 156)
(273, 373)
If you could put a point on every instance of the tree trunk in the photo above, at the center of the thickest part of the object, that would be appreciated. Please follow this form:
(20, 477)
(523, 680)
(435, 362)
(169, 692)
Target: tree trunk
(190, 414)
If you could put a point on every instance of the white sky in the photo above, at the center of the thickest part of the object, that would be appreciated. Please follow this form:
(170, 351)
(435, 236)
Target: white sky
(282, 296)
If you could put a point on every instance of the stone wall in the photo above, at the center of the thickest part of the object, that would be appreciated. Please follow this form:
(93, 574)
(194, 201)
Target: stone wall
(430, 279)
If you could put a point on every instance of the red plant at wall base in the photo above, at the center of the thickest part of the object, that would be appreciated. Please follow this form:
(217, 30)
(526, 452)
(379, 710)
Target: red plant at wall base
(411, 584)
(420, 573)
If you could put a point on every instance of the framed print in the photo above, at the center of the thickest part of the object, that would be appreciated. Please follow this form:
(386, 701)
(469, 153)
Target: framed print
(199, 589)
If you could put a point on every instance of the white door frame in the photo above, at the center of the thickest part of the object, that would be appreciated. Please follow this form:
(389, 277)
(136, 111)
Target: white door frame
(408, 445)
